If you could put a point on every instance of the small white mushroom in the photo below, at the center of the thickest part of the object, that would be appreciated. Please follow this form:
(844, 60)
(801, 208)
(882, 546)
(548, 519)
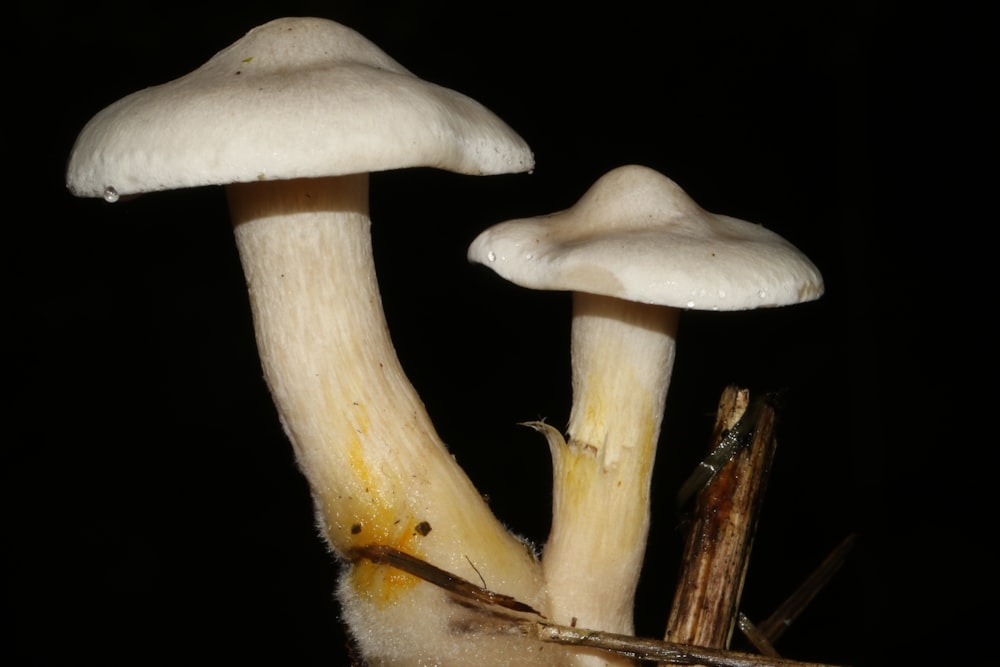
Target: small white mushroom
(635, 250)
(291, 118)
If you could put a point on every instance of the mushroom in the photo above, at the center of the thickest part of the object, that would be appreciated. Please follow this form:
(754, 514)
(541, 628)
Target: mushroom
(291, 118)
(634, 251)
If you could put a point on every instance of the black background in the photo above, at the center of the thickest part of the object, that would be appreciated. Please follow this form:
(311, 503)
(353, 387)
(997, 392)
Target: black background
(152, 508)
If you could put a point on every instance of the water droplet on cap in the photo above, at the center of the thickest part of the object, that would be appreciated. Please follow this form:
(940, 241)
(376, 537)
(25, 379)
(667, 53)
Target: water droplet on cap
(110, 195)
(492, 256)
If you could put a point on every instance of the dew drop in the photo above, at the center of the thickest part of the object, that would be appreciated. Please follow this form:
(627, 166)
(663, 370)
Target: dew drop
(492, 256)
(110, 195)
(690, 304)
(762, 294)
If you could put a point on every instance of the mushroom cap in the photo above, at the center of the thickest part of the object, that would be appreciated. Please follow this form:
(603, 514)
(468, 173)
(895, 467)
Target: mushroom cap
(294, 98)
(636, 235)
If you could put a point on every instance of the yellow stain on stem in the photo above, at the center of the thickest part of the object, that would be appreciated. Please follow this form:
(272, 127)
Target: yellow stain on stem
(383, 584)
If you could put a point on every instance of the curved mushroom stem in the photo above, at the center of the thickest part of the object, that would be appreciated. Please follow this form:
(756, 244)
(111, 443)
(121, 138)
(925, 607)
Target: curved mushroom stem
(622, 357)
(378, 471)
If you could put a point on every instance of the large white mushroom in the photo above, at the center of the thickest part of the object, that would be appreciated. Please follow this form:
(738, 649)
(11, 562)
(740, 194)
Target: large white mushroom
(291, 118)
(634, 251)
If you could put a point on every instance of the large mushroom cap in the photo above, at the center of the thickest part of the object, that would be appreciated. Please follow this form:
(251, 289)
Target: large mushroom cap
(294, 98)
(636, 235)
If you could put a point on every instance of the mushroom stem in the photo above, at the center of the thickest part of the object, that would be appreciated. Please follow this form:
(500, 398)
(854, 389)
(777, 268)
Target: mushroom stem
(622, 357)
(378, 471)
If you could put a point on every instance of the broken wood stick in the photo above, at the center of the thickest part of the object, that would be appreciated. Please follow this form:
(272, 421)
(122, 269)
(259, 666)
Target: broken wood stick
(722, 527)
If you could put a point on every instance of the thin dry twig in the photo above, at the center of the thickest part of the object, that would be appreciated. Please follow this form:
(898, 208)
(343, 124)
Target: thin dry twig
(665, 652)
(775, 625)
(760, 641)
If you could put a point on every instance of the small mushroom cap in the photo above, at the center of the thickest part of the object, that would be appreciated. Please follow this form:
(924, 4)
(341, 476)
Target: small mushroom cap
(636, 235)
(294, 98)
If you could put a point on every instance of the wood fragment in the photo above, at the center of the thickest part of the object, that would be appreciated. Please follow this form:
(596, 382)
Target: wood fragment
(722, 528)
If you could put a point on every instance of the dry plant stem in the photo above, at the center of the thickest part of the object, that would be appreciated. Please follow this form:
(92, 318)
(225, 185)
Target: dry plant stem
(377, 469)
(755, 636)
(666, 653)
(720, 540)
(775, 625)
